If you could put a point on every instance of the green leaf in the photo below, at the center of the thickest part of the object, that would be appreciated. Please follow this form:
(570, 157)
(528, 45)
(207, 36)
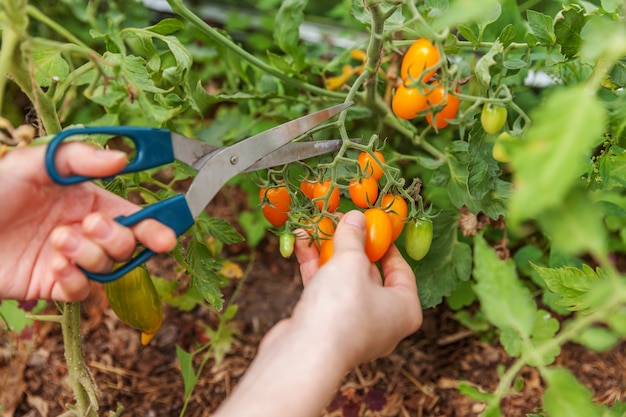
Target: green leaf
(13, 316)
(568, 27)
(566, 396)
(597, 339)
(470, 390)
(288, 19)
(571, 285)
(560, 140)
(186, 301)
(507, 36)
(575, 225)
(203, 272)
(469, 34)
(505, 301)
(541, 26)
(219, 229)
(544, 329)
(190, 379)
(49, 64)
(462, 296)
(448, 261)
(167, 26)
(482, 69)
(458, 12)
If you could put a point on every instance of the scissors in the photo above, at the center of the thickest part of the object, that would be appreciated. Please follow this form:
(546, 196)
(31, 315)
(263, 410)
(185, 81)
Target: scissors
(215, 166)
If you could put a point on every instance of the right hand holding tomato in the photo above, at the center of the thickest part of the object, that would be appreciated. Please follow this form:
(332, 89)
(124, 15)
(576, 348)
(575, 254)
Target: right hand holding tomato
(348, 298)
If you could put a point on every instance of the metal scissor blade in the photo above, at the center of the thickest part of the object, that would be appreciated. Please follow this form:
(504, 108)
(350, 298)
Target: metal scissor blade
(192, 152)
(230, 161)
(297, 152)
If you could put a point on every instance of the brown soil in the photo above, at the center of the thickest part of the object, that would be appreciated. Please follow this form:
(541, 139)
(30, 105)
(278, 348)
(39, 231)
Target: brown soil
(419, 379)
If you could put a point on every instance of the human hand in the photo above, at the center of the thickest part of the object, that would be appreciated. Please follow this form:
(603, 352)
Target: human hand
(47, 229)
(348, 300)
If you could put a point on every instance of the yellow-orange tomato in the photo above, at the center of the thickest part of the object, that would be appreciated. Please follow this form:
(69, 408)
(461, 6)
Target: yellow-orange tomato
(407, 102)
(326, 251)
(421, 55)
(363, 192)
(439, 96)
(307, 187)
(322, 190)
(369, 166)
(397, 209)
(378, 233)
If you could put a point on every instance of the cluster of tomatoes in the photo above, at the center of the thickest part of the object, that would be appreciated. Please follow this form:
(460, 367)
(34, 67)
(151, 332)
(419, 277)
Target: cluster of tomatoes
(385, 217)
(410, 101)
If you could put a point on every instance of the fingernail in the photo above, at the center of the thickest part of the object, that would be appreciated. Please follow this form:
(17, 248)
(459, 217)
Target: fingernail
(355, 218)
(110, 154)
(98, 227)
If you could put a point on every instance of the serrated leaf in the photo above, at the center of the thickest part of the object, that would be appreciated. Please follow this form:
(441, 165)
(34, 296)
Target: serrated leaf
(190, 379)
(571, 285)
(566, 396)
(222, 230)
(559, 142)
(448, 261)
(287, 23)
(541, 26)
(505, 301)
(568, 28)
(204, 277)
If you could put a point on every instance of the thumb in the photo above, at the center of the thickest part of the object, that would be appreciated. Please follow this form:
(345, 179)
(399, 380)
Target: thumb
(350, 233)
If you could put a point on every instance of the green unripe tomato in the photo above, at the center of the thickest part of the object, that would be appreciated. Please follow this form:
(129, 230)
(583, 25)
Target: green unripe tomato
(135, 300)
(286, 242)
(499, 151)
(493, 117)
(418, 236)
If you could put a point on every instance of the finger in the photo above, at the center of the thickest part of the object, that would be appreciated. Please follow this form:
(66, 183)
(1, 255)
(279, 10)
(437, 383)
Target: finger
(155, 235)
(80, 250)
(350, 233)
(76, 158)
(307, 255)
(116, 240)
(397, 271)
(70, 284)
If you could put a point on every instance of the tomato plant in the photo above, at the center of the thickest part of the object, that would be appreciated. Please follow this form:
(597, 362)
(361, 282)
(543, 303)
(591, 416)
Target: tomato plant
(363, 192)
(308, 188)
(275, 204)
(378, 236)
(493, 118)
(418, 237)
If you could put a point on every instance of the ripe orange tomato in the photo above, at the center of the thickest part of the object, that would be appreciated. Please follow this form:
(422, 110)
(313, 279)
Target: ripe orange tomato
(363, 192)
(326, 251)
(275, 204)
(397, 209)
(323, 189)
(450, 103)
(307, 187)
(407, 102)
(369, 166)
(378, 233)
(422, 54)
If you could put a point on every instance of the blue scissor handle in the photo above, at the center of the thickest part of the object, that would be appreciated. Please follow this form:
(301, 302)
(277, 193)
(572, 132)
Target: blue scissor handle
(153, 148)
(173, 212)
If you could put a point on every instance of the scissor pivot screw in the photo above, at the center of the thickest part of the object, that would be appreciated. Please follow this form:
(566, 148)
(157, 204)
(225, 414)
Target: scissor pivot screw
(234, 160)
